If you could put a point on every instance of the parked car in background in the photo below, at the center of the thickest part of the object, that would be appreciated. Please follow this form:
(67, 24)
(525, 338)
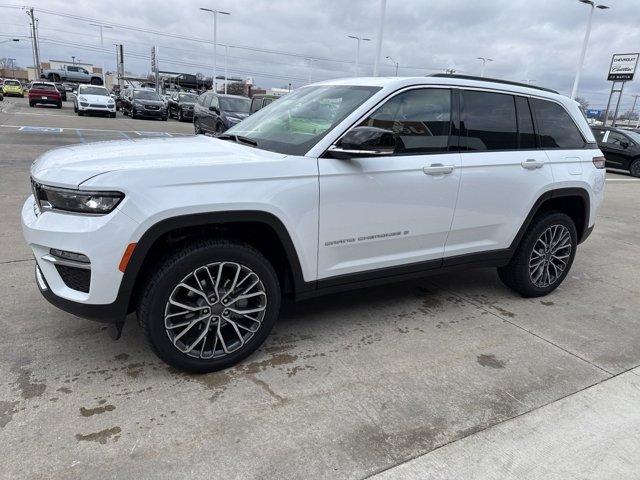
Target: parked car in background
(143, 102)
(94, 99)
(69, 87)
(12, 88)
(44, 93)
(62, 90)
(621, 148)
(215, 113)
(261, 100)
(181, 105)
(72, 73)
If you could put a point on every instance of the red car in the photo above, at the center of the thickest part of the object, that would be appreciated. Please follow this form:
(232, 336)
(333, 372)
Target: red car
(44, 92)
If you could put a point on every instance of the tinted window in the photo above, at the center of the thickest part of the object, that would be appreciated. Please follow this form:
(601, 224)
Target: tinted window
(617, 140)
(420, 118)
(202, 99)
(72, 69)
(555, 127)
(267, 101)
(490, 121)
(526, 134)
(43, 86)
(240, 105)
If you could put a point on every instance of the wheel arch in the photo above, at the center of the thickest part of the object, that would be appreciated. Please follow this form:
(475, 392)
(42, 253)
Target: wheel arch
(262, 230)
(573, 201)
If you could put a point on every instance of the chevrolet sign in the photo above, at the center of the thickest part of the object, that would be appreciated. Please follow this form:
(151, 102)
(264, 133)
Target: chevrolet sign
(623, 67)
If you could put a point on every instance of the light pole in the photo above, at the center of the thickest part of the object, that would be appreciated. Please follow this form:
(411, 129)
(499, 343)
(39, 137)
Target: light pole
(226, 56)
(215, 32)
(358, 39)
(484, 62)
(100, 26)
(394, 62)
(376, 62)
(73, 60)
(583, 52)
(13, 67)
(310, 60)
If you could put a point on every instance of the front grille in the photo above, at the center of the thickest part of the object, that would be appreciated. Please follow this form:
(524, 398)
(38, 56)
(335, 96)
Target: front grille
(96, 105)
(152, 107)
(75, 278)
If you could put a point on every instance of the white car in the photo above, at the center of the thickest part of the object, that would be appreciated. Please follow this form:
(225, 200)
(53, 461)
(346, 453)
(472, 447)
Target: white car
(338, 185)
(94, 99)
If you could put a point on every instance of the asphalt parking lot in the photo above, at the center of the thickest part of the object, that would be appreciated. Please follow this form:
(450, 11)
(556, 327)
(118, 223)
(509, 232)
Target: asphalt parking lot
(451, 376)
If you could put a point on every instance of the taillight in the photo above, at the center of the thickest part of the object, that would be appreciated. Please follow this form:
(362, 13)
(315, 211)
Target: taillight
(599, 162)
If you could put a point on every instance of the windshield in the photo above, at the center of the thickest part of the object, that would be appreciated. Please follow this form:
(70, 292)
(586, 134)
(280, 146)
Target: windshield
(146, 95)
(240, 105)
(188, 97)
(93, 91)
(12, 82)
(297, 121)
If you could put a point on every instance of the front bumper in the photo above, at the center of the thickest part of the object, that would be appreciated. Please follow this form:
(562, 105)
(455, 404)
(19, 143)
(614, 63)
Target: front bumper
(103, 239)
(143, 112)
(92, 107)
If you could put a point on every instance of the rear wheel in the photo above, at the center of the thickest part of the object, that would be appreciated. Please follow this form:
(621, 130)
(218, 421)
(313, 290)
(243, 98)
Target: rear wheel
(634, 169)
(80, 113)
(59, 105)
(197, 127)
(543, 258)
(210, 305)
(31, 104)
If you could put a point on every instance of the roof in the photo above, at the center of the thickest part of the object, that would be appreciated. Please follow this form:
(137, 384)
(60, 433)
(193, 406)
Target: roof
(393, 83)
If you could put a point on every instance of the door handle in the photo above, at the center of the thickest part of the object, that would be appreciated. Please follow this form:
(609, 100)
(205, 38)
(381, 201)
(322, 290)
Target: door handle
(438, 169)
(532, 164)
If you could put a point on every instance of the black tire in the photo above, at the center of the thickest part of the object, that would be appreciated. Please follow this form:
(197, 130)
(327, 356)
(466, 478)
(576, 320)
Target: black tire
(80, 113)
(173, 270)
(112, 115)
(59, 105)
(180, 116)
(516, 274)
(164, 119)
(634, 169)
(32, 104)
(75, 108)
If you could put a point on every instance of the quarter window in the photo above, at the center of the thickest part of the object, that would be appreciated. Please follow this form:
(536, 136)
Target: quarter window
(555, 126)
(489, 120)
(420, 118)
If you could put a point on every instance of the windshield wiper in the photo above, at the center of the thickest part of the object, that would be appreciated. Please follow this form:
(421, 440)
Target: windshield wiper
(238, 139)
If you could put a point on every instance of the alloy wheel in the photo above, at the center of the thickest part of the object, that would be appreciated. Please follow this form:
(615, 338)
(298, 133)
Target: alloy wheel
(550, 256)
(215, 310)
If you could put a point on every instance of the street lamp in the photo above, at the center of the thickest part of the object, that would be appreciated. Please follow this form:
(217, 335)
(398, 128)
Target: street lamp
(394, 62)
(576, 81)
(359, 39)
(484, 62)
(101, 46)
(215, 31)
(73, 59)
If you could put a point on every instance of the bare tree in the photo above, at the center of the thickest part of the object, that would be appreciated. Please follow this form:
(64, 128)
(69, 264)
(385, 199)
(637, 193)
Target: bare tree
(236, 88)
(6, 63)
(583, 102)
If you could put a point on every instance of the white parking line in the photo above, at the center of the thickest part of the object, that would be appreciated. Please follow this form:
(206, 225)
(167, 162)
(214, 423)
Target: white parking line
(139, 132)
(623, 180)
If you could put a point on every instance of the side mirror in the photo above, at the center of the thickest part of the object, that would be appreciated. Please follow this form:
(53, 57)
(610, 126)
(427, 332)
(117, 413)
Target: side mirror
(214, 109)
(624, 145)
(365, 142)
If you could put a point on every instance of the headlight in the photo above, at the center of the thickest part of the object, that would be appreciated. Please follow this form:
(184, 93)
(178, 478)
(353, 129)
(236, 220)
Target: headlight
(78, 201)
(82, 99)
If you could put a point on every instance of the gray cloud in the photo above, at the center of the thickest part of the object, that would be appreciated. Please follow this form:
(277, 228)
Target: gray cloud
(528, 39)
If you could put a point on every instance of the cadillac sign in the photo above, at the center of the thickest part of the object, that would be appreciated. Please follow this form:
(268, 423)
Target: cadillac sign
(623, 66)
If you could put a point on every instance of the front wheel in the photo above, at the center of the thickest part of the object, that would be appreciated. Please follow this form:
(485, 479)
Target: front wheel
(543, 258)
(210, 305)
(197, 127)
(634, 169)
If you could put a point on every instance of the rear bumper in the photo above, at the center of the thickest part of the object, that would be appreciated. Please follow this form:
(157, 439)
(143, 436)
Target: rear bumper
(48, 101)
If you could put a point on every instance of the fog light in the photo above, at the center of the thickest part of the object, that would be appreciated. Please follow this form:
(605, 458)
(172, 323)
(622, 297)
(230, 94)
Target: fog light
(74, 257)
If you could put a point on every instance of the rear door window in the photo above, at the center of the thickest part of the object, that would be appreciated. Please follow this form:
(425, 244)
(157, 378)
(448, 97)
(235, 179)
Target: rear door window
(489, 120)
(556, 128)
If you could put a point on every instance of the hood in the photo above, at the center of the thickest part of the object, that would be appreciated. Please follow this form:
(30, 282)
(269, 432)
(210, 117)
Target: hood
(99, 99)
(70, 166)
(186, 104)
(237, 114)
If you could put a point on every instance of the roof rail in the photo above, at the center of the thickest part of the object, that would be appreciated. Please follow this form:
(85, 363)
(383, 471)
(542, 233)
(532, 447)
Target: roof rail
(493, 80)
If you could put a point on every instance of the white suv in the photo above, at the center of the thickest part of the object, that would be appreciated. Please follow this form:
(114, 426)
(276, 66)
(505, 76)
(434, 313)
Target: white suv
(340, 184)
(93, 99)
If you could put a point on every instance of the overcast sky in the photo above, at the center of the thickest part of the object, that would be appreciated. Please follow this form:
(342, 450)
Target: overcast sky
(538, 40)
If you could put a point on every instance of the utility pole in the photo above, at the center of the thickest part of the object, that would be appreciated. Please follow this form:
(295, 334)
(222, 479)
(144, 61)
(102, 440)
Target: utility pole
(376, 63)
(100, 26)
(226, 57)
(633, 108)
(34, 36)
(13, 68)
